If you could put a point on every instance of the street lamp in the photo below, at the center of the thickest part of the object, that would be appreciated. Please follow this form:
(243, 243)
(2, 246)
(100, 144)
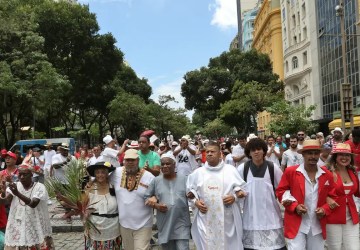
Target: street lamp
(346, 94)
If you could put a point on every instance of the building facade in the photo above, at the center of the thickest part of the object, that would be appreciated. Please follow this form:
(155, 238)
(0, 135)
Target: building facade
(300, 54)
(330, 54)
(248, 28)
(267, 39)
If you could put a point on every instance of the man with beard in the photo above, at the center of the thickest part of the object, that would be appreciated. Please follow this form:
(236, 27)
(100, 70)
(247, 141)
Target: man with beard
(303, 190)
(337, 134)
(135, 217)
(291, 157)
(301, 138)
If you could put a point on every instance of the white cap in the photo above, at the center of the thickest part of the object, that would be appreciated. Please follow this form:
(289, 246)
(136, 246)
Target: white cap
(107, 139)
(174, 143)
(287, 136)
(168, 155)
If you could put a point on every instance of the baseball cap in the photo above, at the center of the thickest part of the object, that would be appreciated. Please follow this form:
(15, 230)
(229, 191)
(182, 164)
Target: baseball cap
(12, 155)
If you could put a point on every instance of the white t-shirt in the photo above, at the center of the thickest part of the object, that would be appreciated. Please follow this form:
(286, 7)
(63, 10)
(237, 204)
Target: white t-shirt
(60, 172)
(111, 155)
(94, 160)
(229, 160)
(185, 161)
(239, 151)
(48, 154)
(273, 157)
(36, 162)
(291, 158)
(133, 213)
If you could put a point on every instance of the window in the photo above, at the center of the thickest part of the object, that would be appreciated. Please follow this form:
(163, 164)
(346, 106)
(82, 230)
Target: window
(305, 33)
(295, 62)
(295, 40)
(287, 66)
(305, 57)
(303, 10)
(294, 20)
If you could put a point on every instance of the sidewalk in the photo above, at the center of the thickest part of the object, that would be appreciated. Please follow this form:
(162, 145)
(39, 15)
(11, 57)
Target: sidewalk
(60, 225)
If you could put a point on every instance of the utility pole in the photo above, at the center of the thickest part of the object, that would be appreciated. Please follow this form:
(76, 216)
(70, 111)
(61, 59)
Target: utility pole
(346, 93)
(238, 3)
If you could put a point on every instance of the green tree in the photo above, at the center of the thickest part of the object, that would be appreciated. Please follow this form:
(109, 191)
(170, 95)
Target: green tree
(29, 84)
(288, 119)
(217, 128)
(247, 99)
(206, 89)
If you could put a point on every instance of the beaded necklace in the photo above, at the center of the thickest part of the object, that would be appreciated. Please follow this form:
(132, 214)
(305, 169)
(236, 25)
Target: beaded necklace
(129, 181)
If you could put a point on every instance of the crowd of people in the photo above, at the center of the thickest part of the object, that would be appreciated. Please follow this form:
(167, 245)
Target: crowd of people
(291, 192)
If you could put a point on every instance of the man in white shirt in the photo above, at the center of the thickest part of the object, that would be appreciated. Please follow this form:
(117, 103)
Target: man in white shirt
(303, 191)
(238, 152)
(96, 157)
(273, 153)
(185, 156)
(48, 154)
(38, 160)
(136, 219)
(110, 154)
(291, 157)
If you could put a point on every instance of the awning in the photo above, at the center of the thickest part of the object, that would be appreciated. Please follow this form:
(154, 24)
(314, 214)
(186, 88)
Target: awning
(337, 123)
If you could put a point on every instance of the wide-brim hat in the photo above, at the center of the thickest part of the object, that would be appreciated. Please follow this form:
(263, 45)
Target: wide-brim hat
(310, 145)
(337, 129)
(342, 148)
(64, 146)
(134, 144)
(106, 165)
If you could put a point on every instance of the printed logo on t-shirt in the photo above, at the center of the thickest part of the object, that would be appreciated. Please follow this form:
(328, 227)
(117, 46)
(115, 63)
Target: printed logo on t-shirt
(183, 158)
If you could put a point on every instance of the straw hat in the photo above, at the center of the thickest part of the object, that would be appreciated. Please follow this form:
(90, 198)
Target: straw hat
(342, 148)
(310, 145)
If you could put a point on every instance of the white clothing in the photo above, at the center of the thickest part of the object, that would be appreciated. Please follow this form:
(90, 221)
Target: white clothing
(60, 172)
(309, 220)
(262, 220)
(109, 227)
(342, 234)
(94, 160)
(291, 158)
(306, 242)
(229, 160)
(239, 151)
(300, 146)
(48, 154)
(220, 227)
(185, 162)
(133, 213)
(28, 226)
(111, 155)
(35, 162)
(273, 157)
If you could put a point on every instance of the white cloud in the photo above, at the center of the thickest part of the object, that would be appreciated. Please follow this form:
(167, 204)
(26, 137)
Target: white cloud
(172, 88)
(225, 12)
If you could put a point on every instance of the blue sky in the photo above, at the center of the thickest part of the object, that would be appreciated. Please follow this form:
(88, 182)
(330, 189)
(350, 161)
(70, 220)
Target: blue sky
(164, 39)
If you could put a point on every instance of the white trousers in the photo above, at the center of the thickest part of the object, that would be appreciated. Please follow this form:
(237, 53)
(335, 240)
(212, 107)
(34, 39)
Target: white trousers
(306, 242)
(342, 236)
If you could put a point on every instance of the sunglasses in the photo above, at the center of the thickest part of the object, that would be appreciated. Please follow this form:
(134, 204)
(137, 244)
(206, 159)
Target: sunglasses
(301, 134)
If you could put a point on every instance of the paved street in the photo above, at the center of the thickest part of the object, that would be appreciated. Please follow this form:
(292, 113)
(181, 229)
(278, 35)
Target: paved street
(75, 241)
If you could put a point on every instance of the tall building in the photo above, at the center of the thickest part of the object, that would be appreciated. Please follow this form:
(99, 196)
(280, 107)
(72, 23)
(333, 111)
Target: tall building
(330, 53)
(248, 28)
(267, 39)
(300, 54)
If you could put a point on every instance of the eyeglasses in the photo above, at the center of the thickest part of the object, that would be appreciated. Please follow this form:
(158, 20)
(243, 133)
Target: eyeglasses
(301, 134)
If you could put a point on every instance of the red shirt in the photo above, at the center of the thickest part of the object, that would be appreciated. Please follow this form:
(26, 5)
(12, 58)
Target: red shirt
(355, 149)
(4, 173)
(3, 218)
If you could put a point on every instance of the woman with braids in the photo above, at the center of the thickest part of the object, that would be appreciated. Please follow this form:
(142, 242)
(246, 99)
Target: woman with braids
(28, 224)
(105, 214)
(343, 223)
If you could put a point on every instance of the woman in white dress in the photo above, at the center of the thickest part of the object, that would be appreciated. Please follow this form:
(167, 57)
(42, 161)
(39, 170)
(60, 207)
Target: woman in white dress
(28, 224)
(105, 215)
